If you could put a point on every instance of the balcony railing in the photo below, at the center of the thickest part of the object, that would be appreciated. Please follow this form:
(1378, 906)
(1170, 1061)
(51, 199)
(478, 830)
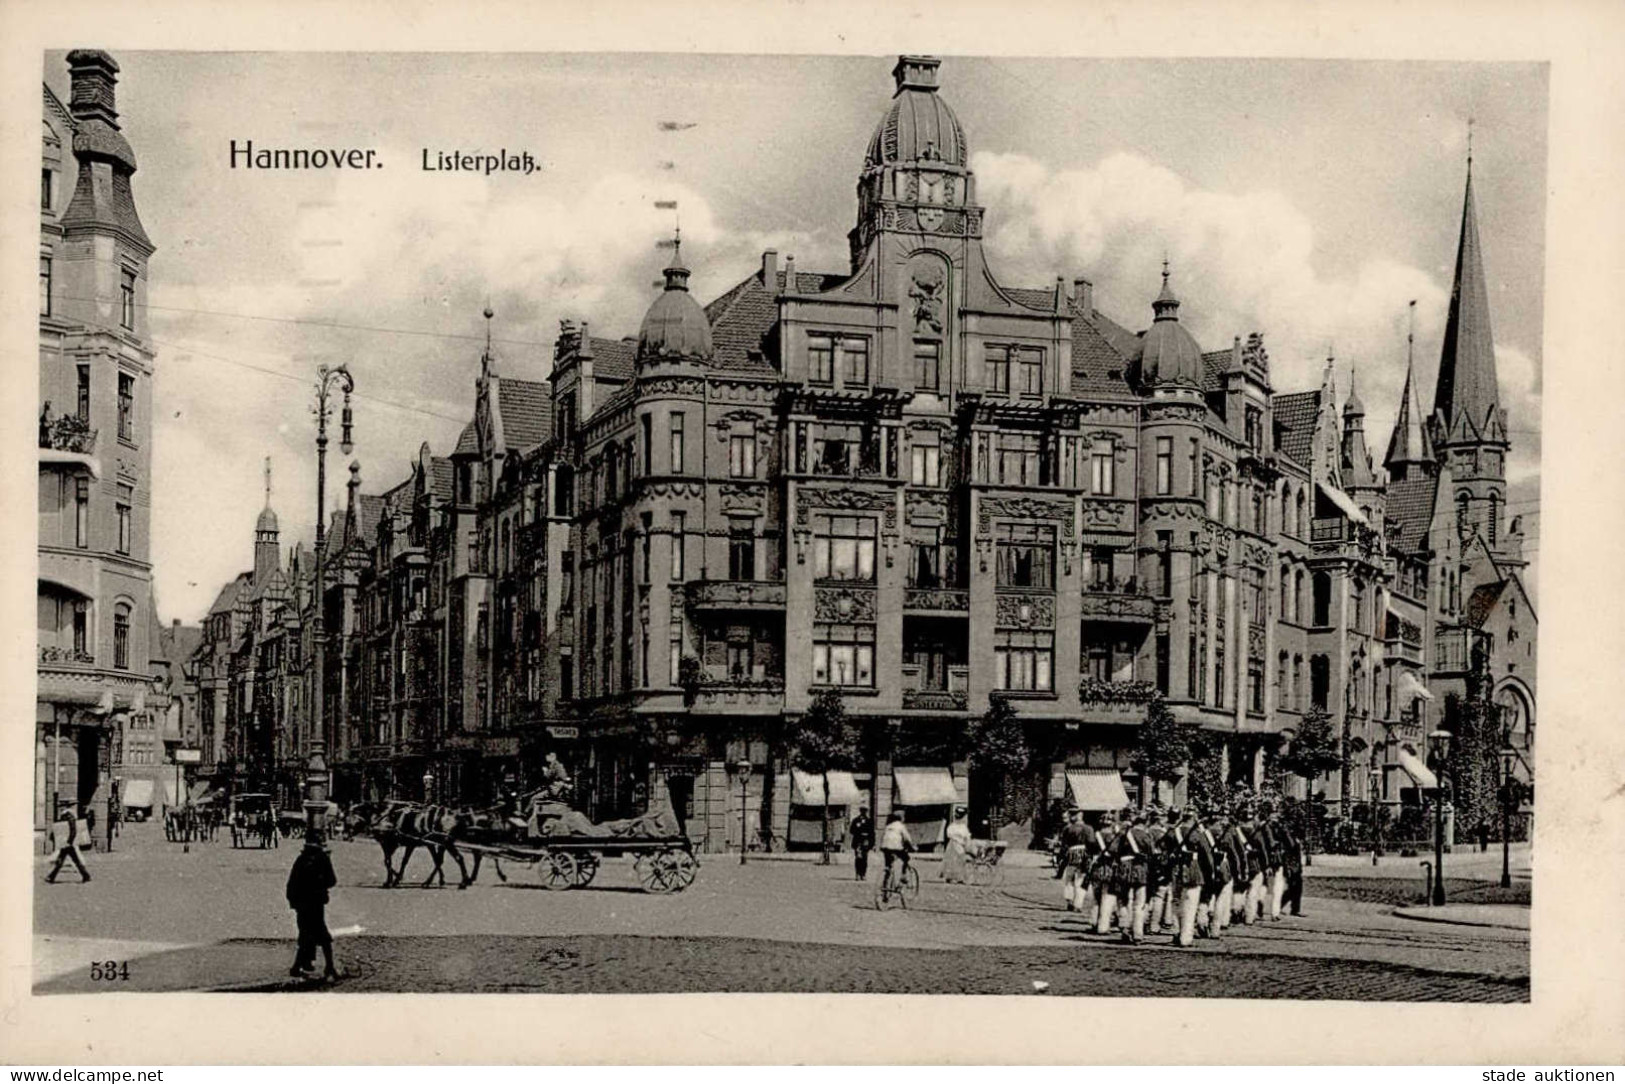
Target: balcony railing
(68, 434)
(742, 694)
(65, 656)
(735, 595)
(1329, 530)
(1118, 601)
(935, 700)
(937, 599)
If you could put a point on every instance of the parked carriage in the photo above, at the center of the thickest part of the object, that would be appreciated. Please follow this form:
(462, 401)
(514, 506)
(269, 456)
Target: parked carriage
(253, 821)
(662, 864)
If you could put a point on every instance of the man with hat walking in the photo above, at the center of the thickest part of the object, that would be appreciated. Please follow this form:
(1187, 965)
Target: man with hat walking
(68, 845)
(308, 884)
(1073, 863)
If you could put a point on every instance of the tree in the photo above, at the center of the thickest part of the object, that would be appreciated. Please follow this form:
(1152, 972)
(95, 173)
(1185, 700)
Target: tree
(999, 748)
(1204, 778)
(1163, 745)
(1315, 751)
(1473, 766)
(823, 740)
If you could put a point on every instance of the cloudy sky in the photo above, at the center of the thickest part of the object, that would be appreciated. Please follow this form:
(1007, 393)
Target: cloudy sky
(1307, 200)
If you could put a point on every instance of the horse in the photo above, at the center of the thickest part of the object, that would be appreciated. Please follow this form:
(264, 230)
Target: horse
(410, 826)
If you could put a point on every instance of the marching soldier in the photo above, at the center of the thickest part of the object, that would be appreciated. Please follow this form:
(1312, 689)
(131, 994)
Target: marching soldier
(1189, 877)
(1291, 849)
(1215, 867)
(1235, 844)
(1104, 874)
(1160, 916)
(1134, 849)
(1073, 870)
(1271, 882)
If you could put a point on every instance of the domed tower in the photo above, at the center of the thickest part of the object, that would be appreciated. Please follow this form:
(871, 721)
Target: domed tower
(675, 326)
(267, 560)
(1169, 359)
(916, 176)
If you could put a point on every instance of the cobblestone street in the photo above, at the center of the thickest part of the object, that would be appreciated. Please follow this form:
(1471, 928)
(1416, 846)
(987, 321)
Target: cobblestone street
(215, 919)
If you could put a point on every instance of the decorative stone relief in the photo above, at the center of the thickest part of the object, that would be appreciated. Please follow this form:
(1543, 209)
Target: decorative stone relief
(844, 605)
(1106, 515)
(1024, 611)
(1025, 508)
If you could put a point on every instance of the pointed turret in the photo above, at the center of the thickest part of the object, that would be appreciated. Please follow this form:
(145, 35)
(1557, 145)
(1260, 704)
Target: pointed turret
(1356, 459)
(267, 551)
(1409, 449)
(1467, 397)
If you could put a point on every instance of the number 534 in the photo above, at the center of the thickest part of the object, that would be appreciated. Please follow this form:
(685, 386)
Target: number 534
(110, 971)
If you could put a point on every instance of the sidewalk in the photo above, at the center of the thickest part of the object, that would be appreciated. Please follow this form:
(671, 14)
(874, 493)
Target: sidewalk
(1498, 915)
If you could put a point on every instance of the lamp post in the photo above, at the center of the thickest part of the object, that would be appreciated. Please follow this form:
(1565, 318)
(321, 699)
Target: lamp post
(1439, 743)
(428, 786)
(326, 380)
(315, 792)
(1509, 756)
(744, 804)
(1376, 808)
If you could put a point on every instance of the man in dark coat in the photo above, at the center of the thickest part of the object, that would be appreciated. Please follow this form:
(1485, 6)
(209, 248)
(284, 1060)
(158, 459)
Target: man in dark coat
(68, 845)
(308, 884)
(862, 834)
(1291, 853)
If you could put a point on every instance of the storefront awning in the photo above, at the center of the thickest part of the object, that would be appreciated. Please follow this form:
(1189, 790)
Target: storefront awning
(807, 788)
(137, 794)
(1345, 503)
(1417, 770)
(200, 791)
(925, 786)
(1096, 790)
(1411, 687)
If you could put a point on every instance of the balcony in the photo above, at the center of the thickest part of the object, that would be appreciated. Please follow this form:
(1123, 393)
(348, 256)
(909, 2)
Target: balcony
(936, 600)
(1334, 529)
(759, 595)
(67, 434)
(1121, 602)
(1115, 702)
(59, 657)
(1460, 651)
(740, 696)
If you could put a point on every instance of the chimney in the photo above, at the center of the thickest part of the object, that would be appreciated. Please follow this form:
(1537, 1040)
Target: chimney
(1061, 300)
(789, 274)
(177, 622)
(1083, 292)
(93, 74)
(770, 269)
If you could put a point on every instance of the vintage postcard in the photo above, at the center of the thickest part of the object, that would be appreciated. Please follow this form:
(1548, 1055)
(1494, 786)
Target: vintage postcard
(885, 519)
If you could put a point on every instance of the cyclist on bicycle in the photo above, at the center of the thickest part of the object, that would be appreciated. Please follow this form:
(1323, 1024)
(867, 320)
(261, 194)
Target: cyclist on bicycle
(895, 844)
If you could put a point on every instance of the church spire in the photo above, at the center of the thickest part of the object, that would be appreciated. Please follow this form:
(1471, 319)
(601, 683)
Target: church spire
(1467, 397)
(1409, 445)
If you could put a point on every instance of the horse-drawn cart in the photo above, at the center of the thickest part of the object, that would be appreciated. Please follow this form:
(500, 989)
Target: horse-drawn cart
(661, 864)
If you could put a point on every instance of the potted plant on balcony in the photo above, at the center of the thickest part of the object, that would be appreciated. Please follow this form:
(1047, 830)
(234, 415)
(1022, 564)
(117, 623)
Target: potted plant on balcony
(823, 740)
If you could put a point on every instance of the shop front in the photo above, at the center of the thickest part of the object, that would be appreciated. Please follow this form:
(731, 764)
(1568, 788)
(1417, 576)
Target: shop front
(927, 796)
(807, 807)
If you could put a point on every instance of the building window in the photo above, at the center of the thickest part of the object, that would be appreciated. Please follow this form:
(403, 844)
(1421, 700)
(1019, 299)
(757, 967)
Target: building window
(567, 580)
(820, 359)
(925, 464)
(927, 365)
(1103, 468)
(998, 368)
(677, 442)
(855, 361)
(1023, 661)
(1495, 515)
(1026, 555)
(1218, 674)
(1165, 465)
(647, 425)
(126, 406)
(844, 655)
(677, 528)
(126, 495)
(45, 189)
(1165, 564)
(742, 552)
(1031, 376)
(1320, 681)
(932, 563)
(742, 455)
(81, 513)
(121, 637)
(1224, 497)
(1254, 428)
(1162, 663)
(1286, 593)
(844, 548)
(1258, 512)
(127, 300)
(81, 628)
(45, 285)
(1020, 463)
(84, 393)
(1255, 685)
(1323, 600)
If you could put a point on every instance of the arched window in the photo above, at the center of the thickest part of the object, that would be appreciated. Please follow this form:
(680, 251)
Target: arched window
(121, 636)
(1463, 504)
(1323, 600)
(1286, 593)
(1495, 515)
(612, 462)
(1283, 694)
(1297, 596)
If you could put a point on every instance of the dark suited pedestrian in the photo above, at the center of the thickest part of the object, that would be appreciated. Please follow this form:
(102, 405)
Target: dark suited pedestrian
(308, 884)
(68, 845)
(862, 834)
(1291, 852)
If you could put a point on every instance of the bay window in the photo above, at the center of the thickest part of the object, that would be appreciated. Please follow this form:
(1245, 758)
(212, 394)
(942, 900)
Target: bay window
(1024, 661)
(844, 655)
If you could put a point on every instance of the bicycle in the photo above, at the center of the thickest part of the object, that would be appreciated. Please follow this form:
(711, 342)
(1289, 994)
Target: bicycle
(901, 883)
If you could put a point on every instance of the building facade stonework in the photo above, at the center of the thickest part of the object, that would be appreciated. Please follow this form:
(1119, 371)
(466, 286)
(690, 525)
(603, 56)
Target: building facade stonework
(925, 489)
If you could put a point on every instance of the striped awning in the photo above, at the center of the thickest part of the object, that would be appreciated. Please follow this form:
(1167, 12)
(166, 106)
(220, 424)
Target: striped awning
(806, 788)
(925, 786)
(137, 794)
(1345, 503)
(1417, 770)
(1096, 790)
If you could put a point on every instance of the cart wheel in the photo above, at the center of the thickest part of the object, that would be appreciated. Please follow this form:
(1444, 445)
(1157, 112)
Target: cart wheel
(586, 869)
(654, 872)
(681, 868)
(558, 871)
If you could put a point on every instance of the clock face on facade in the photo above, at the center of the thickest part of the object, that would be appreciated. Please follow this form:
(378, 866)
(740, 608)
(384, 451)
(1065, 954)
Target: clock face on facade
(930, 218)
(931, 190)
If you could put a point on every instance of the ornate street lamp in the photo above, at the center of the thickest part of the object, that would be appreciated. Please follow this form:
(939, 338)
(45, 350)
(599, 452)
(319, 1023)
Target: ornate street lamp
(744, 803)
(316, 784)
(1509, 786)
(1439, 744)
(428, 786)
(327, 379)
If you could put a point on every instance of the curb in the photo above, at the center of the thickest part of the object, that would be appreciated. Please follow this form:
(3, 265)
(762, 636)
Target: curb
(1426, 914)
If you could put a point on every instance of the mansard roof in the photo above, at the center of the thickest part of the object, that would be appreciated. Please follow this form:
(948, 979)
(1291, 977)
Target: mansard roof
(1410, 502)
(1295, 414)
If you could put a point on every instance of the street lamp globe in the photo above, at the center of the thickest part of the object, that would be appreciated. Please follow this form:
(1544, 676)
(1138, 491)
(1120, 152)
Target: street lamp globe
(428, 785)
(1439, 742)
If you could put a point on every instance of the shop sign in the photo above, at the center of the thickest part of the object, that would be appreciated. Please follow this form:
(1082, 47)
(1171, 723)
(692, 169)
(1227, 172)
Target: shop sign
(564, 733)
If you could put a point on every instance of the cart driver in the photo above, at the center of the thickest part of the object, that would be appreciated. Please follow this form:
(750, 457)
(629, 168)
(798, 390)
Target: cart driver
(555, 777)
(895, 842)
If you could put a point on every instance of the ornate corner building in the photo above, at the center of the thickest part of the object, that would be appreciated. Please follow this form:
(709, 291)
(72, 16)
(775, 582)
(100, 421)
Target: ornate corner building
(102, 698)
(914, 485)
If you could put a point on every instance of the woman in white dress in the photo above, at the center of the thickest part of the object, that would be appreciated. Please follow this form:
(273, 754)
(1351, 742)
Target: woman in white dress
(957, 848)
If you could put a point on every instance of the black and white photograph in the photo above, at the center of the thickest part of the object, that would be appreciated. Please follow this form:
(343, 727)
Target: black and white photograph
(881, 519)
